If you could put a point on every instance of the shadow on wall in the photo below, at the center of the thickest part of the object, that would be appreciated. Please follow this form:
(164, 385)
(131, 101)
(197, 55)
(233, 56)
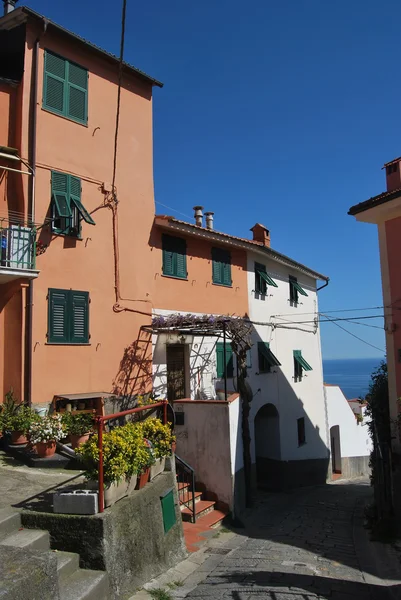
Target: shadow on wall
(135, 373)
(288, 449)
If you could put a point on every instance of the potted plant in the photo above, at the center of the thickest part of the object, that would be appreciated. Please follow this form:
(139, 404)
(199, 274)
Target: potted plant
(78, 426)
(161, 439)
(44, 433)
(125, 455)
(16, 418)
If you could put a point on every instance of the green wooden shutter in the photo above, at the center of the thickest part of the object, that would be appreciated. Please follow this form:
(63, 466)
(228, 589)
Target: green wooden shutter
(58, 316)
(79, 317)
(221, 266)
(77, 93)
(75, 195)
(220, 360)
(59, 192)
(174, 257)
(54, 83)
(226, 275)
(216, 270)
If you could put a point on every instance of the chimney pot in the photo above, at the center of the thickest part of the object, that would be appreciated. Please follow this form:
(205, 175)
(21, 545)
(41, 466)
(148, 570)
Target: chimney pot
(198, 215)
(9, 5)
(393, 174)
(209, 219)
(261, 234)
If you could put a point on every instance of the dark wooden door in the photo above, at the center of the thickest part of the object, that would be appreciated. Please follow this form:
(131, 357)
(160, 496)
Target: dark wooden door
(175, 372)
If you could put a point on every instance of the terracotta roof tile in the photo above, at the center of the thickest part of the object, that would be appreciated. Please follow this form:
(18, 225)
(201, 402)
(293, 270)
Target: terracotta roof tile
(374, 201)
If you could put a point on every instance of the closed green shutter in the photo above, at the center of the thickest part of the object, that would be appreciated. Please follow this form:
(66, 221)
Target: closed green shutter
(220, 360)
(58, 316)
(174, 257)
(221, 266)
(68, 317)
(79, 321)
(54, 83)
(65, 88)
(77, 92)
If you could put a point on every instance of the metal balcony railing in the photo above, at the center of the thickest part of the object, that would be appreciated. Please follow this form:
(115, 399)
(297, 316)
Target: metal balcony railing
(17, 247)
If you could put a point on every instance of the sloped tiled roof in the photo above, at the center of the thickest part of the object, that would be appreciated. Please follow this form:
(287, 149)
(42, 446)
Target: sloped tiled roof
(374, 201)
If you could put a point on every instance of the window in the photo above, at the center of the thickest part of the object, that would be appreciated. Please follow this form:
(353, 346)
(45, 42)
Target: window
(220, 360)
(221, 268)
(66, 207)
(262, 279)
(68, 317)
(295, 290)
(300, 365)
(301, 431)
(174, 257)
(392, 169)
(266, 358)
(65, 88)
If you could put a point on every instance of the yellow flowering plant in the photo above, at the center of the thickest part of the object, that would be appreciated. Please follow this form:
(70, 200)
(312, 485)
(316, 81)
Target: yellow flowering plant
(159, 435)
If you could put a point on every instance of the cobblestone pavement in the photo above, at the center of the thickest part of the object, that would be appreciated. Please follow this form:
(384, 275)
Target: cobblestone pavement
(309, 544)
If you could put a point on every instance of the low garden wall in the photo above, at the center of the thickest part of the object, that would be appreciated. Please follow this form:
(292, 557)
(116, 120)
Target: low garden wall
(135, 540)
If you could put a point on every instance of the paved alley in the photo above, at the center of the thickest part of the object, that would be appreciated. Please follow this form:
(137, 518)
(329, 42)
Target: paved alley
(308, 544)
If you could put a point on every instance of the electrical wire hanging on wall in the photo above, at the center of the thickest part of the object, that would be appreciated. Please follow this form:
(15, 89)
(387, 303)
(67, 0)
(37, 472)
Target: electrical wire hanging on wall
(112, 202)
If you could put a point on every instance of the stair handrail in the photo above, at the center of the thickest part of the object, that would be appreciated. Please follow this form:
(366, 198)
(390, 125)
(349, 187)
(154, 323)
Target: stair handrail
(191, 470)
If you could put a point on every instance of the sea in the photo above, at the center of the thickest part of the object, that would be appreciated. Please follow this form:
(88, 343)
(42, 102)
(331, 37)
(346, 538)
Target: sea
(351, 374)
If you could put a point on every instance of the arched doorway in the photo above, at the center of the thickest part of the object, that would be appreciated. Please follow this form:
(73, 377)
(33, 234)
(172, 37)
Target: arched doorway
(267, 446)
(335, 449)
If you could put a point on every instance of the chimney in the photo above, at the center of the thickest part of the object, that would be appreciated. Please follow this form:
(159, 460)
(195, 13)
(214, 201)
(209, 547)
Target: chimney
(209, 219)
(198, 215)
(9, 5)
(393, 174)
(261, 234)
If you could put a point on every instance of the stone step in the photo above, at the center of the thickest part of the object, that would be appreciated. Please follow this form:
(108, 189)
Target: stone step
(67, 564)
(185, 497)
(10, 522)
(85, 584)
(29, 539)
(203, 507)
(182, 486)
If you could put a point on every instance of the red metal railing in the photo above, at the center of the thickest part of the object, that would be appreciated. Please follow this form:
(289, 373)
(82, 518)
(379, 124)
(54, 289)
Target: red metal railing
(100, 425)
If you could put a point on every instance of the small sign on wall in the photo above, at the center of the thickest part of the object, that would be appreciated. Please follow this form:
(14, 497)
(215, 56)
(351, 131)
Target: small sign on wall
(168, 510)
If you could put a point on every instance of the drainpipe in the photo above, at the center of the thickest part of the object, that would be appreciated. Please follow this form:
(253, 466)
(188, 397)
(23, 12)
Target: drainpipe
(31, 221)
(225, 360)
(323, 286)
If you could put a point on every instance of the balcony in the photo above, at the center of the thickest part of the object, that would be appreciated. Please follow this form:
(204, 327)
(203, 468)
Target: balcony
(17, 253)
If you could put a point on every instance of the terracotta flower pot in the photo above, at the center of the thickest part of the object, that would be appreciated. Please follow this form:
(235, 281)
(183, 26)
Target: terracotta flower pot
(78, 439)
(18, 438)
(143, 479)
(45, 449)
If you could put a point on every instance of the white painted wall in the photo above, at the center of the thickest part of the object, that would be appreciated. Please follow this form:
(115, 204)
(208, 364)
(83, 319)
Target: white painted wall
(354, 436)
(286, 331)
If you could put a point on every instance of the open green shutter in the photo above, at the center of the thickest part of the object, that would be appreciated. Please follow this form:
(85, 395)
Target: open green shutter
(299, 288)
(267, 355)
(59, 191)
(77, 93)
(54, 83)
(79, 317)
(267, 278)
(58, 316)
(301, 361)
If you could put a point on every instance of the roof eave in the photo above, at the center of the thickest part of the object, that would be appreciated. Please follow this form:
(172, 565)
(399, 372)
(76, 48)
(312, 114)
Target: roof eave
(171, 224)
(23, 13)
(373, 202)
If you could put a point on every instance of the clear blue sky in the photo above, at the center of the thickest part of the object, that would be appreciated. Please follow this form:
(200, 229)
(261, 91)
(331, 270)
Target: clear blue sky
(277, 112)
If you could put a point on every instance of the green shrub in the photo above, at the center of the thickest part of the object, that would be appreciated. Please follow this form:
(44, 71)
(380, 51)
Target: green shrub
(78, 424)
(159, 435)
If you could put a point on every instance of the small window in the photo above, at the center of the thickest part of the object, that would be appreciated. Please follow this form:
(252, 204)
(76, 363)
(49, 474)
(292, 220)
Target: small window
(262, 280)
(65, 88)
(68, 317)
(301, 431)
(174, 257)
(220, 360)
(295, 290)
(67, 209)
(221, 267)
(266, 358)
(300, 365)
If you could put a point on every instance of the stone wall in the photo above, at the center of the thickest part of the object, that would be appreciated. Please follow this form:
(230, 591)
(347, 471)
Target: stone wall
(127, 540)
(354, 466)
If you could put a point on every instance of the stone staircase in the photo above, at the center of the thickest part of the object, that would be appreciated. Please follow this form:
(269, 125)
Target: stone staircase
(74, 583)
(209, 516)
